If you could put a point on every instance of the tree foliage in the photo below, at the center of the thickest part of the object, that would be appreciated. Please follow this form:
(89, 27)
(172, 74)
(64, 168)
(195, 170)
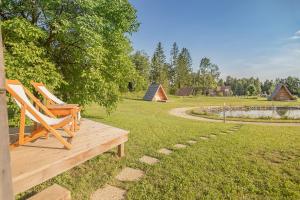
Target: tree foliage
(183, 69)
(172, 67)
(159, 67)
(207, 76)
(251, 90)
(81, 46)
(239, 87)
(267, 87)
(25, 59)
(142, 65)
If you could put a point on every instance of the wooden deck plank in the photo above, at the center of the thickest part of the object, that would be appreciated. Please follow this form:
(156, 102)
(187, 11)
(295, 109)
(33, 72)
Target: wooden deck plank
(43, 159)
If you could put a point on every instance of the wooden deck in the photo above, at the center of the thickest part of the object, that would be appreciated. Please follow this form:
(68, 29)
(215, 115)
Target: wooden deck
(43, 159)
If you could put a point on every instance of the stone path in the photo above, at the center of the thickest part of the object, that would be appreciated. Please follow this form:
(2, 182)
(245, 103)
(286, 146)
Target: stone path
(109, 193)
(130, 174)
(165, 151)
(179, 146)
(149, 160)
(203, 138)
(191, 141)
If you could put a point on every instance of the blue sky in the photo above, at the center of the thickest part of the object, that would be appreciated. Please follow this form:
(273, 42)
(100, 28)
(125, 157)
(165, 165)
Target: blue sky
(259, 38)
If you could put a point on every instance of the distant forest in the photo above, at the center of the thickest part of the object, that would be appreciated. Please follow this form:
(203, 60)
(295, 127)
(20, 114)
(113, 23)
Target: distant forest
(178, 73)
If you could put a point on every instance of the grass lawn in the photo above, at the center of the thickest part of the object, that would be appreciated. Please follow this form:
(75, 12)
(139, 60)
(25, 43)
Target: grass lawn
(255, 162)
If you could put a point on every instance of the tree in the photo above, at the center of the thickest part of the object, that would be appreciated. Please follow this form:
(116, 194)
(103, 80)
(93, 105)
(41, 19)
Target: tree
(240, 86)
(239, 89)
(172, 67)
(142, 65)
(207, 76)
(183, 69)
(221, 82)
(84, 42)
(251, 90)
(257, 85)
(141, 62)
(267, 87)
(159, 68)
(25, 58)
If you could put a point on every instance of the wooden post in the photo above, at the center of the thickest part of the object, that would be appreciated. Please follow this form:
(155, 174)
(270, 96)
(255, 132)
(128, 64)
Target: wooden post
(121, 150)
(6, 191)
(224, 113)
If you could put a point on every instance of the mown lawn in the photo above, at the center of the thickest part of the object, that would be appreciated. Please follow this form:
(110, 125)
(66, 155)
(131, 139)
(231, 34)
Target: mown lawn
(255, 162)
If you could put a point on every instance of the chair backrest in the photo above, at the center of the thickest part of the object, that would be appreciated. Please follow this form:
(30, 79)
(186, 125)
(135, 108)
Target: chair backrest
(21, 94)
(41, 88)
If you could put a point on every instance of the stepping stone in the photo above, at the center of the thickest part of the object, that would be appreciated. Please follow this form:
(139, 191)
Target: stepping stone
(52, 193)
(165, 151)
(213, 136)
(191, 141)
(130, 174)
(223, 133)
(203, 138)
(179, 146)
(109, 193)
(149, 160)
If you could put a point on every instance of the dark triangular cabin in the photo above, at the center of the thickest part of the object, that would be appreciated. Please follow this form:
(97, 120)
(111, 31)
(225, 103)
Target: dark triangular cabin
(156, 92)
(186, 91)
(281, 93)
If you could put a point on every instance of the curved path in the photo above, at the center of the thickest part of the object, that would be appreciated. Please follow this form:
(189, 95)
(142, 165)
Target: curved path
(181, 112)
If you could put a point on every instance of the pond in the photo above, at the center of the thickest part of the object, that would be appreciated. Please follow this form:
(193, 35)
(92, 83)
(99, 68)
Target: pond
(272, 113)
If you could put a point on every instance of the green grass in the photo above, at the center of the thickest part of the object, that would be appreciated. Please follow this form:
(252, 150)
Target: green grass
(255, 162)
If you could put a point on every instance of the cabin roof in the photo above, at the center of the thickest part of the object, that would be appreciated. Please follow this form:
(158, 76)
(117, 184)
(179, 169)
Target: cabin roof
(278, 88)
(152, 90)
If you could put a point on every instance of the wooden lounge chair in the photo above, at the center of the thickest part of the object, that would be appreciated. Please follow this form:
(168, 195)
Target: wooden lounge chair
(47, 123)
(57, 106)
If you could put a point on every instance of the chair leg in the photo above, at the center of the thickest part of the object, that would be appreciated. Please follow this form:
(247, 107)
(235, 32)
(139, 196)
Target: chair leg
(60, 138)
(73, 126)
(70, 133)
(22, 126)
(33, 136)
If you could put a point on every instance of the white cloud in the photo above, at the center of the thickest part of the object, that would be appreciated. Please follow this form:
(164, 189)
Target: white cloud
(296, 36)
(279, 62)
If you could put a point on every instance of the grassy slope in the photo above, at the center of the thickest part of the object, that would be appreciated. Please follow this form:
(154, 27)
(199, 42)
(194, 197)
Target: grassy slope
(256, 162)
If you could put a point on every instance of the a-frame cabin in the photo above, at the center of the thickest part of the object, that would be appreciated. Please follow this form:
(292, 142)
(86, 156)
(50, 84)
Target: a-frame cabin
(156, 92)
(281, 93)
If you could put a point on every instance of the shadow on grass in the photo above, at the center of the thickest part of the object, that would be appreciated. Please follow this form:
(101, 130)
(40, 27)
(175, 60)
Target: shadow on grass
(132, 98)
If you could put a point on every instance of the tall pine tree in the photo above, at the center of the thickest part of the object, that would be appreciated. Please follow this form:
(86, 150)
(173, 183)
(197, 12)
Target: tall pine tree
(172, 67)
(183, 69)
(159, 67)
